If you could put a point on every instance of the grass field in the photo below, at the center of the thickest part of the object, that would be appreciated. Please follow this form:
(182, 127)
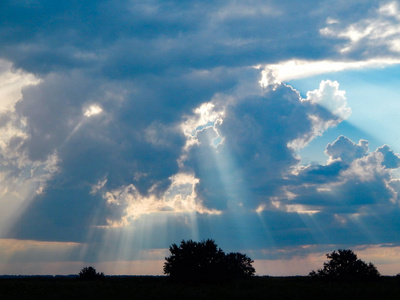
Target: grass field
(147, 287)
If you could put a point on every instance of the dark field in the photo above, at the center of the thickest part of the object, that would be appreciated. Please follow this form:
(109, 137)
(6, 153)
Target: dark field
(147, 287)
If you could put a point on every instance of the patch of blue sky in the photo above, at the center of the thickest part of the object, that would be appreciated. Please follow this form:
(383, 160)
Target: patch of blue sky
(374, 97)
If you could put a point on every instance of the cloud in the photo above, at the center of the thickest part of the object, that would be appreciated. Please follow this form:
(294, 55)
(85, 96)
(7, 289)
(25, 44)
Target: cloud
(328, 97)
(179, 198)
(20, 178)
(345, 150)
(285, 71)
(377, 35)
(122, 134)
(391, 160)
(245, 146)
(15, 250)
(11, 83)
(354, 183)
(130, 39)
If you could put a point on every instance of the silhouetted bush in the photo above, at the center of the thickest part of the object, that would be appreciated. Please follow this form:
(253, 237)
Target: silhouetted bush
(90, 273)
(239, 265)
(205, 261)
(344, 265)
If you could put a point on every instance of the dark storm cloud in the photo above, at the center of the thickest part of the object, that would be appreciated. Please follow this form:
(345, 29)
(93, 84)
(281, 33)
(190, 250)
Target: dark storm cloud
(136, 139)
(130, 38)
(257, 133)
(354, 182)
(391, 160)
(346, 150)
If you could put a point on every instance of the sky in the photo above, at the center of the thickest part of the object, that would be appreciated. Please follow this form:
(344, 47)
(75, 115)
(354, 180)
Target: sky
(269, 126)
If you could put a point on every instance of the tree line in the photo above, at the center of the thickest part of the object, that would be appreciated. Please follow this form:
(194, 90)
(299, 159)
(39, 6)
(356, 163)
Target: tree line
(204, 261)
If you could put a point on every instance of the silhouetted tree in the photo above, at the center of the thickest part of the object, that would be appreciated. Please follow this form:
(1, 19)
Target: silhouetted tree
(90, 273)
(205, 261)
(344, 265)
(239, 265)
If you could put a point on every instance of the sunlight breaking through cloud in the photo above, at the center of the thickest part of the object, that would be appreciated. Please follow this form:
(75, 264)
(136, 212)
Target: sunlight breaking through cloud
(297, 69)
(12, 81)
(179, 198)
(20, 177)
(93, 109)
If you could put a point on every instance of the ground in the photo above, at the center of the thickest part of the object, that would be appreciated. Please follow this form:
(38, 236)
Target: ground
(147, 287)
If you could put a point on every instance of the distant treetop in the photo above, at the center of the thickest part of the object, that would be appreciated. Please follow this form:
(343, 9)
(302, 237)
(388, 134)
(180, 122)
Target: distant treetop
(205, 261)
(344, 265)
(90, 273)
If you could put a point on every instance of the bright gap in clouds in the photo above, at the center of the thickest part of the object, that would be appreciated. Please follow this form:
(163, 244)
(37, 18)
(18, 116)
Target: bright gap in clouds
(298, 69)
(92, 110)
(371, 89)
(11, 83)
(372, 95)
